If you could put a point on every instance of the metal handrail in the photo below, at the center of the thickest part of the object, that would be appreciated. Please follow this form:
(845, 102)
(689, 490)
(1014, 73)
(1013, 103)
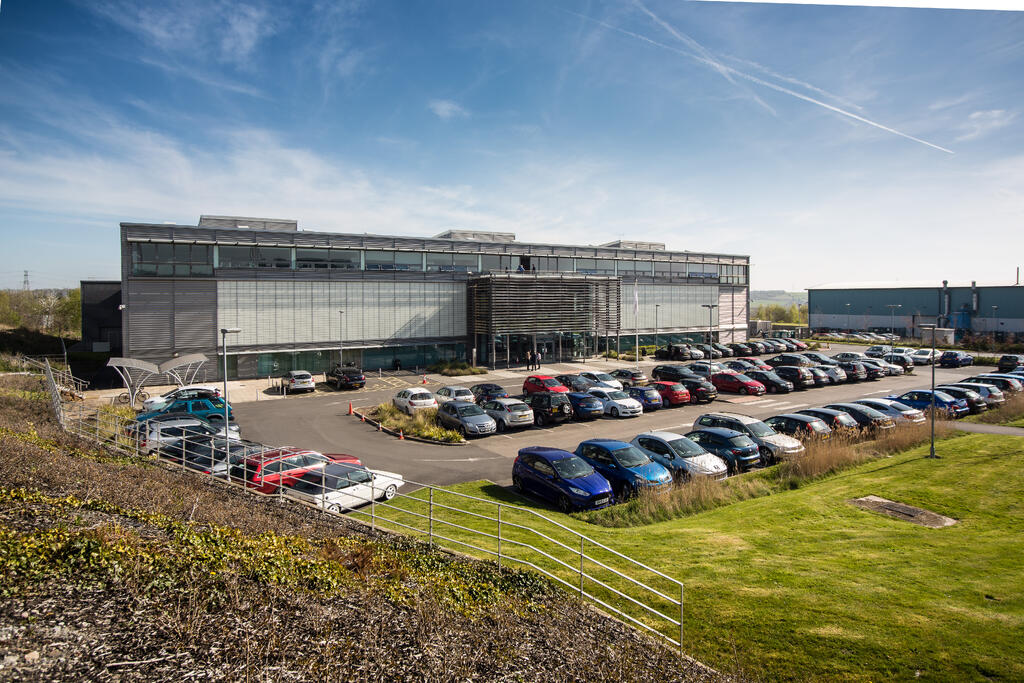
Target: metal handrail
(113, 430)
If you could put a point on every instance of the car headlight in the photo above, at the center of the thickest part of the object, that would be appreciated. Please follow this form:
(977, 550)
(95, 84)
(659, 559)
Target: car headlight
(578, 492)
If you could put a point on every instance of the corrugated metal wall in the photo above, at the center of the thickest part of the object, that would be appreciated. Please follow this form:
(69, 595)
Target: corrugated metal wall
(170, 315)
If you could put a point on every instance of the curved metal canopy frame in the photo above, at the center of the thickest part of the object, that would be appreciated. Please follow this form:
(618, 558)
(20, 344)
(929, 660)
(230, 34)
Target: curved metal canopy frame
(135, 373)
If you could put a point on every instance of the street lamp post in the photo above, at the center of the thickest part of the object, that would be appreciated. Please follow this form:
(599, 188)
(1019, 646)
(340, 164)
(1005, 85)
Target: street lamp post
(341, 339)
(848, 328)
(931, 451)
(892, 322)
(656, 307)
(224, 332)
(711, 313)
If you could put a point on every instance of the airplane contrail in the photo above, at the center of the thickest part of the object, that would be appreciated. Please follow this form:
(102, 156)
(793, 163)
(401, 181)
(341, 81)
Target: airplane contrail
(718, 66)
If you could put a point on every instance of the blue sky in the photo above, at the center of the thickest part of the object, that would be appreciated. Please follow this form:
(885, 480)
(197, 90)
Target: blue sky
(828, 143)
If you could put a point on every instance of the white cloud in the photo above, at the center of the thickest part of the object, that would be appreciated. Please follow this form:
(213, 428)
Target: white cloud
(981, 123)
(447, 109)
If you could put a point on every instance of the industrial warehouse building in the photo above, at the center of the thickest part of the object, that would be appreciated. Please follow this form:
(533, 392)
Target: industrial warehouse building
(302, 297)
(990, 309)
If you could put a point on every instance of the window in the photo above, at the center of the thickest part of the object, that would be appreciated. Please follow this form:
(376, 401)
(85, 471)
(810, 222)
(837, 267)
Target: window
(380, 260)
(466, 263)
(236, 257)
(273, 257)
(439, 263)
(662, 269)
(312, 259)
(634, 268)
(344, 259)
(543, 467)
(409, 260)
(489, 262)
(180, 260)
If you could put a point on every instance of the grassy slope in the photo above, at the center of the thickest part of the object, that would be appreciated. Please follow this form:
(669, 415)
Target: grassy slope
(803, 584)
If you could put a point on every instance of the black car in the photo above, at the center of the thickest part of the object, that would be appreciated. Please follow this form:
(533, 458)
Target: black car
(855, 370)
(873, 371)
(710, 352)
(819, 358)
(771, 381)
(671, 373)
(740, 349)
(701, 390)
(869, 419)
(975, 403)
(820, 377)
(549, 407)
(798, 426)
(576, 383)
(901, 360)
(487, 392)
(793, 359)
(757, 348)
(346, 377)
(725, 350)
(800, 378)
(739, 365)
(1010, 362)
(839, 421)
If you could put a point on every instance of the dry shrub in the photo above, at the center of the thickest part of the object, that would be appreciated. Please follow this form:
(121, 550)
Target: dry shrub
(1012, 409)
(694, 495)
(422, 423)
(905, 437)
(820, 459)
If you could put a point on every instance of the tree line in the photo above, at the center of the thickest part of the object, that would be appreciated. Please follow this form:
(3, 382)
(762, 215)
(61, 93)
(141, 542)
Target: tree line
(796, 314)
(54, 311)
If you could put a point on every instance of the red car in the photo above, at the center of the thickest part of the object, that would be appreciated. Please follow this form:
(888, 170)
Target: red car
(537, 383)
(757, 363)
(735, 382)
(268, 471)
(672, 393)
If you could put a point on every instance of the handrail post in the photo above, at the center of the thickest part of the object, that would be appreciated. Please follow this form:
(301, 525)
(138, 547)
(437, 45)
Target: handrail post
(430, 517)
(499, 535)
(681, 617)
(582, 541)
(373, 513)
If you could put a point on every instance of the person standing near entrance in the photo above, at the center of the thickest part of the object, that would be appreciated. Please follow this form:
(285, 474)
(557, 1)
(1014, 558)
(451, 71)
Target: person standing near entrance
(540, 357)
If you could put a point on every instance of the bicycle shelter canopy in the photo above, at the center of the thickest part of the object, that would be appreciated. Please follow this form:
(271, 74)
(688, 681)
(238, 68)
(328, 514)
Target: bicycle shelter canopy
(135, 373)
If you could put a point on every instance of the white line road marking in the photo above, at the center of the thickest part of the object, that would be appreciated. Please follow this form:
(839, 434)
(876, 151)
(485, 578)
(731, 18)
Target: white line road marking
(497, 457)
(880, 391)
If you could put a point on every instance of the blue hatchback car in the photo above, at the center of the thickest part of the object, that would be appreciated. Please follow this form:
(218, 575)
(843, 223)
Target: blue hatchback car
(922, 400)
(560, 477)
(585, 406)
(627, 468)
(207, 408)
(649, 397)
(955, 359)
(738, 450)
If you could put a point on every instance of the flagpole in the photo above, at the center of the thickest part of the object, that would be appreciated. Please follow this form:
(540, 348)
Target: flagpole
(636, 320)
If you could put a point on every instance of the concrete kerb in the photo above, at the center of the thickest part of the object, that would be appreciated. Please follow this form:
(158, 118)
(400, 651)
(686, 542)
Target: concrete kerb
(374, 423)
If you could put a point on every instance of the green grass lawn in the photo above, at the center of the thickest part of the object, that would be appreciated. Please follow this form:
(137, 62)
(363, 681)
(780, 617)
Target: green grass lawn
(802, 585)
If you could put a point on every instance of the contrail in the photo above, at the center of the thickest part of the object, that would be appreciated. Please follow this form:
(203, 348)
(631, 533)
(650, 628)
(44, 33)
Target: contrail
(754, 79)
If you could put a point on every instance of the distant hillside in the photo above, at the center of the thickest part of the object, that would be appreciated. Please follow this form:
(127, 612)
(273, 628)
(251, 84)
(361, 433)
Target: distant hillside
(764, 297)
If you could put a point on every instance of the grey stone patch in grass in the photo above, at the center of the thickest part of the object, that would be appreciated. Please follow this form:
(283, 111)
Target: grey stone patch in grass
(907, 513)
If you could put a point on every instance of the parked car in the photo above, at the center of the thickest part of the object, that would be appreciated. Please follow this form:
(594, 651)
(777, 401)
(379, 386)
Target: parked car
(737, 383)
(706, 368)
(560, 477)
(855, 370)
(180, 393)
(739, 349)
(877, 351)
(543, 383)
(955, 359)
(625, 467)
(921, 356)
(836, 375)
(467, 418)
(709, 351)
(818, 358)
(701, 390)
(211, 409)
(847, 356)
(677, 352)
(488, 392)
(209, 455)
(453, 393)
(617, 403)
(671, 373)
(346, 377)
(604, 378)
(630, 378)
(771, 444)
(298, 380)
(903, 360)
(874, 369)
(800, 378)
(585, 406)
(899, 412)
(549, 407)
(800, 427)
(975, 403)
(724, 350)
(990, 393)
(413, 399)
(648, 397)
(840, 422)
(870, 420)
(758, 348)
(680, 456)
(270, 470)
(167, 436)
(922, 400)
(1007, 362)
(757, 363)
(508, 413)
(738, 451)
(772, 383)
(672, 393)
(577, 383)
(1012, 384)
(339, 486)
(821, 378)
(1007, 386)
(790, 359)
(739, 365)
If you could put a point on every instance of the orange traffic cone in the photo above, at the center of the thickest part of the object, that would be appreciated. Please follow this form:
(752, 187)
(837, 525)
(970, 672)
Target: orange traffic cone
(362, 418)
(401, 435)
(350, 407)
(424, 380)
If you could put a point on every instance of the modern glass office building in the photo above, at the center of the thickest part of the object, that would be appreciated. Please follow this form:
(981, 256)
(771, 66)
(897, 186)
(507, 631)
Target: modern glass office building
(301, 298)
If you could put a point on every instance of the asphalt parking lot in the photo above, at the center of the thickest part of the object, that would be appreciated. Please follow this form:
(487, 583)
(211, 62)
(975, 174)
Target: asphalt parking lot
(320, 421)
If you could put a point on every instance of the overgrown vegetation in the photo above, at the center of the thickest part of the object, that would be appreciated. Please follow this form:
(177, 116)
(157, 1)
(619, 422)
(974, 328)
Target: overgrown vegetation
(455, 368)
(423, 423)
(57, 311)
(1010, 411)
(776, 313)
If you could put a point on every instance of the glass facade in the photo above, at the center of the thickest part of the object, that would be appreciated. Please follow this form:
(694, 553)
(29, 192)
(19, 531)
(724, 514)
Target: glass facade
(172, 260)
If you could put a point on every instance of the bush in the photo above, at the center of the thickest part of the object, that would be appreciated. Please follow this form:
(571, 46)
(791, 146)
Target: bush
(422, 424)
(455, 368)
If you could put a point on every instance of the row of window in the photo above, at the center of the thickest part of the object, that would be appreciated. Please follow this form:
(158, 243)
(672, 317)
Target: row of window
(200, 260)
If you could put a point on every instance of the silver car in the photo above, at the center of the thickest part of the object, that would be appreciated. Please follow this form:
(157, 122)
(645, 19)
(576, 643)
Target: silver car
(466, 418)
(508, 413)
(890, 368)
(990, 393)
(299, 380)
(159, 435)
(445, 394)
(899, 412)
(836, 375)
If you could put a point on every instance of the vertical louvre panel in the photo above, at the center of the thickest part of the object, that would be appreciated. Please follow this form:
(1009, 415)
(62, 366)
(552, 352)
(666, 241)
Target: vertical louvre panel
(195, 303)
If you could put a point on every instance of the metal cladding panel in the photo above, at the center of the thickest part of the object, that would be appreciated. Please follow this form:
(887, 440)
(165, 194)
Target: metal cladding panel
(530, 304)
(665, 306)
(195, 314)
(150, 312)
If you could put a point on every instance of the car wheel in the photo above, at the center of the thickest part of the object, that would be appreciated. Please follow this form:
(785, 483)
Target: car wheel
(517, 483)
(743, 391)
(502, 426)
(462, 431)
(771, 389)
(390, 492)
(564, 504)
(615, 412)
(539, 419)
(766, 455)
(335, 508)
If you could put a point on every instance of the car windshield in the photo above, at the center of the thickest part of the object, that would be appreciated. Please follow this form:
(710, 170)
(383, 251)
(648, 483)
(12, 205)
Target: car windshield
(685, 448)
(421, 397)
(617, 395)
(650, 393)
(675, 387)
(630, 456)
(742, 378)
(462, 392)
(549, 382)
(572, 468)
(301, 375)
(942, 396)
(470, 411)
(741, 441)
(760, 429)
